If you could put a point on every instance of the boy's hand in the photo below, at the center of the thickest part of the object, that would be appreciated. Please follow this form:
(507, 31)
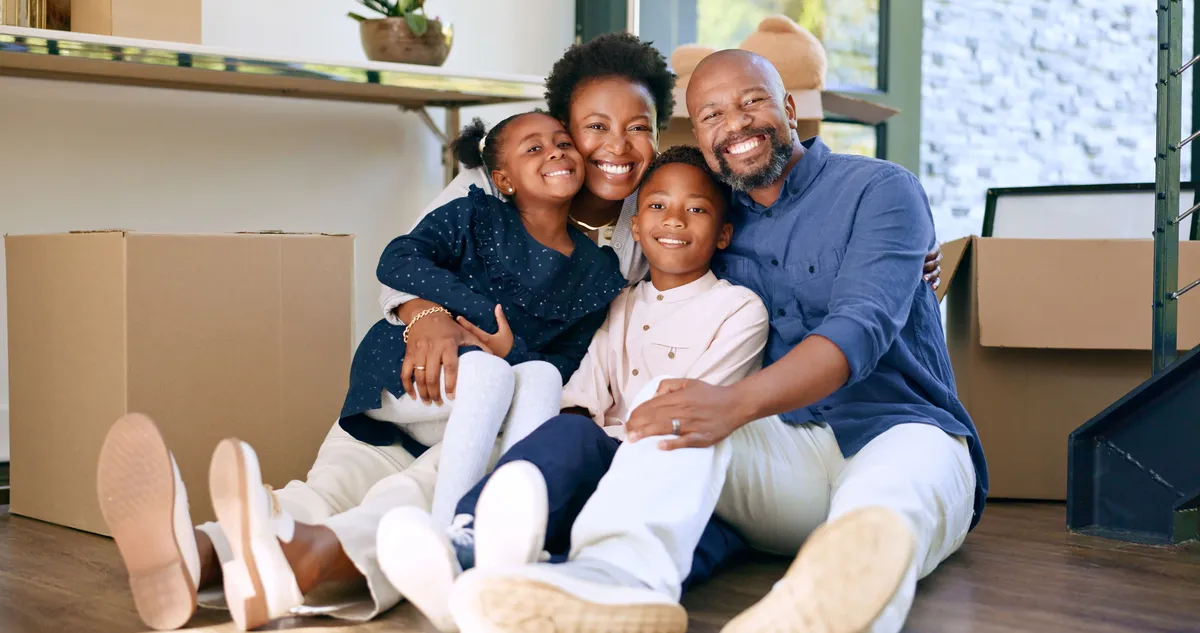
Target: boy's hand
(500, 343)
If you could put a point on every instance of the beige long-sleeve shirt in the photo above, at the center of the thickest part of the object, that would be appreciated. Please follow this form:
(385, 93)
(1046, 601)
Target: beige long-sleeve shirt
(708, 330)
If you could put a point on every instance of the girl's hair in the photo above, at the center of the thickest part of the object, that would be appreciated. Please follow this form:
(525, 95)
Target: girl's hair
(619, 55)
(478, 146)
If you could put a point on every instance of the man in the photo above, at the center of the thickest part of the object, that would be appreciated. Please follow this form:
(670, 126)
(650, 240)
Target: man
(853, 426)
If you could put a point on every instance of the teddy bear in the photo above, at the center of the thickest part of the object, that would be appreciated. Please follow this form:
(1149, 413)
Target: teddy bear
(800, 59)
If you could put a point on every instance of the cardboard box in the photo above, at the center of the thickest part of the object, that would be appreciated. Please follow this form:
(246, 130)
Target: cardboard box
(162, 20)
(245, 335)
(1045, 334)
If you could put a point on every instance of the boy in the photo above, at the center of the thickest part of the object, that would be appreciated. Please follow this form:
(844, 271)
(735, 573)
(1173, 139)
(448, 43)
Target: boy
(682, 322)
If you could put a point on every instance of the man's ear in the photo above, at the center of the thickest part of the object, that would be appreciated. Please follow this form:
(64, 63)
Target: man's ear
(789, 109)
(502, 182)
(725, 236)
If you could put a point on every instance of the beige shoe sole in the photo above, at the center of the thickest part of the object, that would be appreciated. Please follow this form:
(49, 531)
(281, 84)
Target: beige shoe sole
(842, 579)
(523, 605)
(135, 482)
(227, 480)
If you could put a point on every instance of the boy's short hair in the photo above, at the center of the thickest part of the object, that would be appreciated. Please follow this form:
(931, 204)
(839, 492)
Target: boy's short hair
(688, 155)
(618, 55)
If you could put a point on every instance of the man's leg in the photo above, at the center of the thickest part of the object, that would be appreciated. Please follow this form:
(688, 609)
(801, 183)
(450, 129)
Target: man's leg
(926, 476)
(899, 507)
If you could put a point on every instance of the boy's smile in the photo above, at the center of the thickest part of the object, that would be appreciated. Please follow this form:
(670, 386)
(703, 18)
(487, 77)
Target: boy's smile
(680, 223)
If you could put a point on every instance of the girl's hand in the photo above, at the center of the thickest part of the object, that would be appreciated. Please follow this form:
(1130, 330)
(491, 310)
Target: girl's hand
(501, 342)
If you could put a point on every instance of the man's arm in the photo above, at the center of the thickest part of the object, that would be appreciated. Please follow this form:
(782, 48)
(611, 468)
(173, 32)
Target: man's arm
(870, 303)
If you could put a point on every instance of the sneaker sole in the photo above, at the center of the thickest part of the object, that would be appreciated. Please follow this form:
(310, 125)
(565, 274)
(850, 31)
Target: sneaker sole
(515, 490)
(135, 483)
(841, 581)
(520, 605)
(417, 564)
(227, 481)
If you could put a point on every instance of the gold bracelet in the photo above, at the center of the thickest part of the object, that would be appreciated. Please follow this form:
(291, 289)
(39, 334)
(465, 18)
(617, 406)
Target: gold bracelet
(420, 315)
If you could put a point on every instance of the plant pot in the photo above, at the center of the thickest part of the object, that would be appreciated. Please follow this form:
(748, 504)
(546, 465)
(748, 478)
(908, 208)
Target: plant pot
(390, 40)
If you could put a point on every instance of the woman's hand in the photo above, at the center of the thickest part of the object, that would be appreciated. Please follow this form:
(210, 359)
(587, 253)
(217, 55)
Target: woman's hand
(501, 342)
(432, 349)
(932, 273)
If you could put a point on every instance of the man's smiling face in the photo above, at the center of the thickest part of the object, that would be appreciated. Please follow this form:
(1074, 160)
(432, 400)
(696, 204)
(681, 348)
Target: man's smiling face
(743, 118)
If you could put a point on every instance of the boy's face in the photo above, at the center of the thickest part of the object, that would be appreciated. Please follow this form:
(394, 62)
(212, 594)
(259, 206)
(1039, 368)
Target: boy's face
(681, 220)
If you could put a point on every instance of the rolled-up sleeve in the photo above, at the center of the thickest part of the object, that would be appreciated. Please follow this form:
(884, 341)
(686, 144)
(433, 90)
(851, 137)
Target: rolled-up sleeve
(880, 274)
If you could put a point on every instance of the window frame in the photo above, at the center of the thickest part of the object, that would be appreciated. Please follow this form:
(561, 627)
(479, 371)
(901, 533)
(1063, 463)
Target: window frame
(901, 25)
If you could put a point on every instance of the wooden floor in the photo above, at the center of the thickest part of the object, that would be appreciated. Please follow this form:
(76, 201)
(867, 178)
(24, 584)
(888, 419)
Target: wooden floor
(1019, 571)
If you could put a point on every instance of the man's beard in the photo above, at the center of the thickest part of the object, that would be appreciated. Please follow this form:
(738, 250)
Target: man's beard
(781, 151)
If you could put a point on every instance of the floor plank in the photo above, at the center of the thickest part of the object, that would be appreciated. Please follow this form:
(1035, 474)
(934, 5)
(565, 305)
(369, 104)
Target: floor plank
(1020, 571)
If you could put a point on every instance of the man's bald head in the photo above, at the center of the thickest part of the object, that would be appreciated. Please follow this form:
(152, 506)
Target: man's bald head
(743, 118)
(735, 61)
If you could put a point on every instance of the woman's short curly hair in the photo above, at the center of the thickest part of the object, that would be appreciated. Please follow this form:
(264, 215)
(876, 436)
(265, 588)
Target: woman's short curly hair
(611, 55)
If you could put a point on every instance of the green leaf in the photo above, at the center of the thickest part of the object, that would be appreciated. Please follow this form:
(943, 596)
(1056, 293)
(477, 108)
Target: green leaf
(375, 6)
(354, 16)
(416, 23)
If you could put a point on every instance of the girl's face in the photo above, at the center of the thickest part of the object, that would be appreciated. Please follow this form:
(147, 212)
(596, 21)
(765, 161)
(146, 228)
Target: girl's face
(539, 161)
(613, 123)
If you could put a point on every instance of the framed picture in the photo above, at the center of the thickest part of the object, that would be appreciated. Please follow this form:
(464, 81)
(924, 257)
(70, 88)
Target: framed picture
(1119, 211)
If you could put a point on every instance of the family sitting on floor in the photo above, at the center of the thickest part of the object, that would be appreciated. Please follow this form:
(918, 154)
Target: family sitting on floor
(662, 358)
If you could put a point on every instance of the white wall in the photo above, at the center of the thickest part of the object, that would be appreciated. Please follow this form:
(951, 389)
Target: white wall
(76, 156)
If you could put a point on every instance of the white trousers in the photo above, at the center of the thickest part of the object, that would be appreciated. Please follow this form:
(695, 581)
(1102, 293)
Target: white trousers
(350, 487)
(776, 483)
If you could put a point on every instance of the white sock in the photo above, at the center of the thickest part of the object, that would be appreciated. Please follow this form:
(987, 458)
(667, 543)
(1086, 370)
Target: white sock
(537, 397)
(482, 399)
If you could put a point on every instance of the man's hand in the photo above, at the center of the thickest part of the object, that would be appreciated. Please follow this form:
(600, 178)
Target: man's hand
(433, 343)
(501, 342)
(932, 273)
(707, 414)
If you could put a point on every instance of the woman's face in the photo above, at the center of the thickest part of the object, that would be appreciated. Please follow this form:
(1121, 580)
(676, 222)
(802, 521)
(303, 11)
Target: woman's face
(613, 123)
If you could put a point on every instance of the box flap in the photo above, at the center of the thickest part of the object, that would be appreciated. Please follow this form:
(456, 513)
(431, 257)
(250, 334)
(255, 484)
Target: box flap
(1075, 294)
(953, 254)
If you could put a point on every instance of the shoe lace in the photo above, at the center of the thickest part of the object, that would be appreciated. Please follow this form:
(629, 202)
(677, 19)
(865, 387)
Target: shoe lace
(461, 531)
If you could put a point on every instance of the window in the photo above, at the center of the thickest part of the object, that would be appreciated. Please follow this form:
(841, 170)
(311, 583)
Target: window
(873, 47)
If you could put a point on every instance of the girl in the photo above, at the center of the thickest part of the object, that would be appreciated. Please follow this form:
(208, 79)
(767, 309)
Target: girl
(483, 259)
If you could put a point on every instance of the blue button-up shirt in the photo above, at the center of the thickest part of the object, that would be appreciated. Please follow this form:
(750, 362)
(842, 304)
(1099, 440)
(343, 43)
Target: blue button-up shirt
(840, 255)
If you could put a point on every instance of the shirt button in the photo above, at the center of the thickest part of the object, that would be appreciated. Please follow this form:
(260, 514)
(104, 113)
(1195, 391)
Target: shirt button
(645, 327)
(781, 312)
(660, 297)
(635, 372)
(769, 214)
(812, 269)
(774, 262)
(826, 408)
(670, 354)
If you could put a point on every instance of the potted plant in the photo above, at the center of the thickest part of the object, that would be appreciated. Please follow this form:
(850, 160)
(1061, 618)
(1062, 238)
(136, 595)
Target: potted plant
(404, 34)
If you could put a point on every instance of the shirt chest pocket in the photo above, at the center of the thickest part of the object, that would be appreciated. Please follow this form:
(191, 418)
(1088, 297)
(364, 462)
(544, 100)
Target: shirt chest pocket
(670, 354)
(812, 285)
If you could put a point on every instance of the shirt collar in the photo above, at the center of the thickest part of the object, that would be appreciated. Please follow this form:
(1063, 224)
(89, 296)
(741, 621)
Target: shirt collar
(797, 181)
(687, 291)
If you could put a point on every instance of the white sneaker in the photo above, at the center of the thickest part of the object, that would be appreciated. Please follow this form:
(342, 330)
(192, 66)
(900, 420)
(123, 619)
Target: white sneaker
(841, 581)
(418, 557)
(259, 583)
(144, 503)
(510, 517)
(547, 597)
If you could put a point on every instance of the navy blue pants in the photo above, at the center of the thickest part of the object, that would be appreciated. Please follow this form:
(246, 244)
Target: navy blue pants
(574, 453)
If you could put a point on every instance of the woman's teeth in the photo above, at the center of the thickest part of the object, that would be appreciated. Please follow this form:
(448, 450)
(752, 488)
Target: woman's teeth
(744, 146)
(614, 169)
(561, 172)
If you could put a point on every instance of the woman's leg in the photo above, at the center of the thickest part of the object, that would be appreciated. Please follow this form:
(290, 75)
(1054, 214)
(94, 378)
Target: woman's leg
(484, 395)
(537, 397)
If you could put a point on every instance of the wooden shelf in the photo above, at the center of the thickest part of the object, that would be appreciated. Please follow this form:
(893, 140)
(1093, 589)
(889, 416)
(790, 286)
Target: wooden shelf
(80, 57)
